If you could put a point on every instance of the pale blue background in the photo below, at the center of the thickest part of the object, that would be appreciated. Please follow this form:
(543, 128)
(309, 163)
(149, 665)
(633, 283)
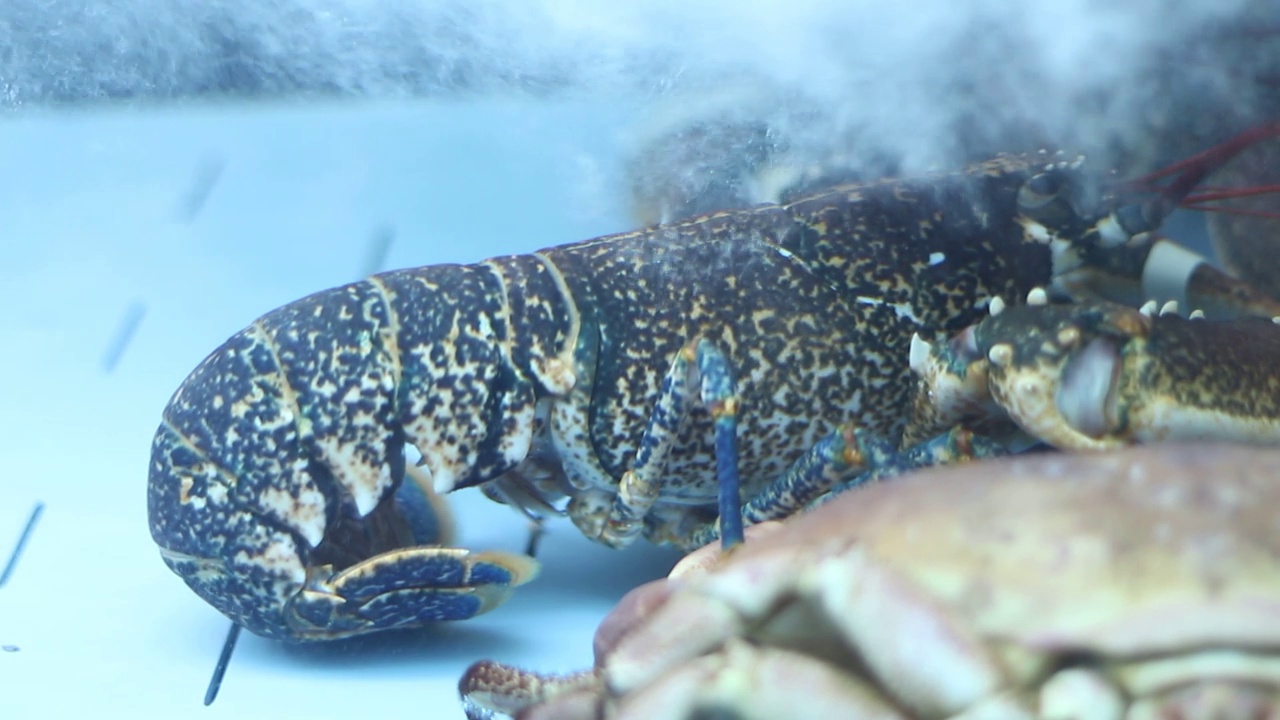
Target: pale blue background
(92, 222)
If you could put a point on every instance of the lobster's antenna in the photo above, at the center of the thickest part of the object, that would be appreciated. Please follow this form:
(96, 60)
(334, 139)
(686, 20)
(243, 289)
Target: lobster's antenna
(124, 335)
(220, 669)
(536, 531)
(375, 252)
(22, 543)
(203, 181)
(1197, 201)
(1186, 175)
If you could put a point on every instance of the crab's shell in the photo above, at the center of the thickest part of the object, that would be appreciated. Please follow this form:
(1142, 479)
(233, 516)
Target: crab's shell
(1140, 583)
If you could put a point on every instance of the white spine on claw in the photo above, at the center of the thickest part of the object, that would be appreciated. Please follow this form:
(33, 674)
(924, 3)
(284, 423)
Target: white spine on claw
(920, 350)
(1081, 693)
(1110, 232)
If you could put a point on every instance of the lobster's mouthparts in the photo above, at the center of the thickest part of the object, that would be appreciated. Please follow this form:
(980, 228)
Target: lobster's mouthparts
(1087, 396)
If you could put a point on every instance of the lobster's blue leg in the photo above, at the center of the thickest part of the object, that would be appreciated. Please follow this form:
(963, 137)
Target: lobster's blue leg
(821, 472)
(956, 445)
(720, 395)
(831, 460)
(829, 468)
(639, 487)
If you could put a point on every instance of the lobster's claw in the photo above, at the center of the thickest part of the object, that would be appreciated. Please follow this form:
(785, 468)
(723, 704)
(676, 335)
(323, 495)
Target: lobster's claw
(1097, 375)
(1059, 371)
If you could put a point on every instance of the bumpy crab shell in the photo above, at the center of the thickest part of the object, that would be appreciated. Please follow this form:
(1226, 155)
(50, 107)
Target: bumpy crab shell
(1143, 583)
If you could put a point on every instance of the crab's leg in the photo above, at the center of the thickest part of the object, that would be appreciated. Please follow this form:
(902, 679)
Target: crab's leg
(772, 682)
(488, 687)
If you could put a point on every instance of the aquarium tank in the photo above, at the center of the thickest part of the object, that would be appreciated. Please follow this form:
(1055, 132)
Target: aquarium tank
(176, 169)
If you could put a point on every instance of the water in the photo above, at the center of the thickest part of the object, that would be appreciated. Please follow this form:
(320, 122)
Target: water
(135, 237)
(146, 238)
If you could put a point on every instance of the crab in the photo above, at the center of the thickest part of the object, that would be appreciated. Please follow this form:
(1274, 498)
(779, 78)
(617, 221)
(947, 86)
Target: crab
(1139, 583)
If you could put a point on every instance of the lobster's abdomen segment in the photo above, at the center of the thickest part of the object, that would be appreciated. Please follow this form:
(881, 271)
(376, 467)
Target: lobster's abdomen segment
(273, 488)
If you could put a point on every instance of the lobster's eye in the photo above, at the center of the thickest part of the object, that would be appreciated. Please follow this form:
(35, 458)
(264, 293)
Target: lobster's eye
(1040, 190)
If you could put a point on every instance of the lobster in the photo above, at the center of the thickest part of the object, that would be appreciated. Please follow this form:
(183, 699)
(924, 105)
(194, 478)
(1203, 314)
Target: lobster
(645, 384)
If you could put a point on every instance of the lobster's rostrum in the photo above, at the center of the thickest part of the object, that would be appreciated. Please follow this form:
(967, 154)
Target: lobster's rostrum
(630, 382)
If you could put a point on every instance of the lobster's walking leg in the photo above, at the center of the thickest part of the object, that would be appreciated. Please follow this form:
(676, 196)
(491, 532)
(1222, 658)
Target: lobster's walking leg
(828, 462)
(826, 469)
(720, 394)
(640, 486)
(954, 446)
